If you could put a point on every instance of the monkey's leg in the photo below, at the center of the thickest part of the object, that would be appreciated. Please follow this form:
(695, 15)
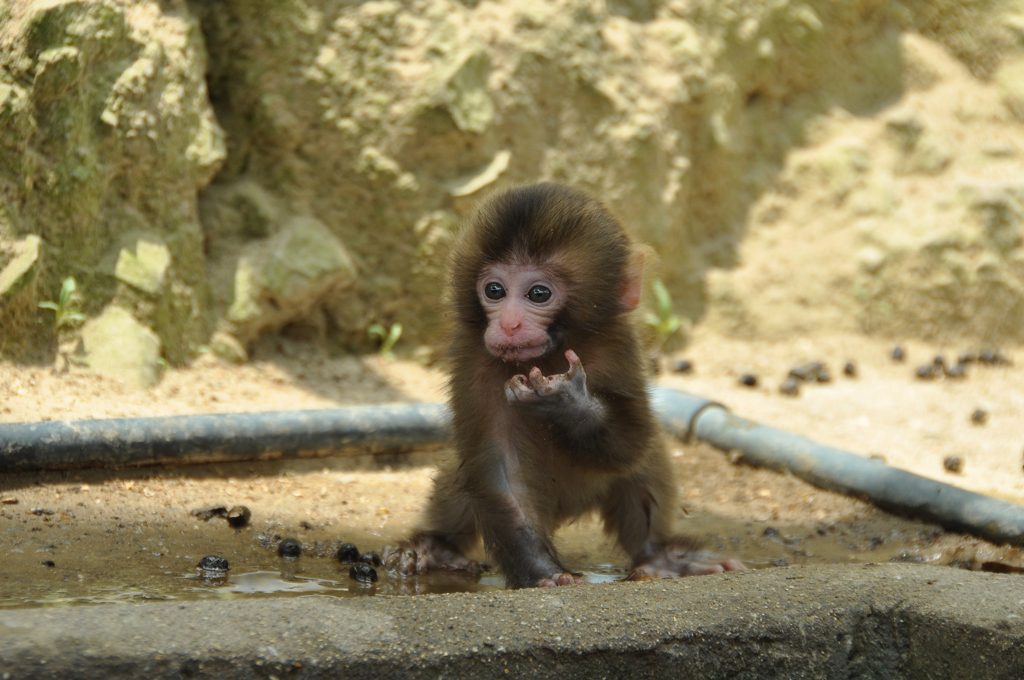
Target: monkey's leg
(637, 513)
(524, 552)
(448, 530)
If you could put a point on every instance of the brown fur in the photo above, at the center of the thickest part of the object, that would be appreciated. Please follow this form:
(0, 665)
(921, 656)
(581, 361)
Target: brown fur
(524, 470)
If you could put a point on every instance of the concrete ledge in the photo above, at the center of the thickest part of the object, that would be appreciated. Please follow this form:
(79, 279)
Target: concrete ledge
(885, 621)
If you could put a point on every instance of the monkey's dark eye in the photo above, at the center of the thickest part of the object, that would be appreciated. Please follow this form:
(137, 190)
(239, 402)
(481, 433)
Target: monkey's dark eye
(494, 291)
(539, 294)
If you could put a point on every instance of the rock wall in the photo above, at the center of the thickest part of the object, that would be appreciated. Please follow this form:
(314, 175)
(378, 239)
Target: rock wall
(373, 128)
(106, 136)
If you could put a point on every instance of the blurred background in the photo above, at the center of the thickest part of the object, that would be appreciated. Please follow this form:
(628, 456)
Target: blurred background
(211, 173)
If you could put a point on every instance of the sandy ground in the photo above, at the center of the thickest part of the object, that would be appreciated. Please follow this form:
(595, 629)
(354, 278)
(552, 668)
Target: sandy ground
(129, 534)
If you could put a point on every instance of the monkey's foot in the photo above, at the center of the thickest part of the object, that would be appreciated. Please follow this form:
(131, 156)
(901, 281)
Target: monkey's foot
(664, 568)
(565, 578)
(537, 387)
(422, 555)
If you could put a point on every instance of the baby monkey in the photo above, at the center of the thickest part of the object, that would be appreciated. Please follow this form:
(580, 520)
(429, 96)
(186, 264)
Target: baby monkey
(548, 393)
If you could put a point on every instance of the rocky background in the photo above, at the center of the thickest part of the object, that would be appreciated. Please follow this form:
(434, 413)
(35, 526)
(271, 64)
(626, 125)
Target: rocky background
(211, 172)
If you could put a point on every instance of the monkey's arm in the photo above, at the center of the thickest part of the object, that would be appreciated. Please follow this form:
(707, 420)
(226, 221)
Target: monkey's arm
(579, 418)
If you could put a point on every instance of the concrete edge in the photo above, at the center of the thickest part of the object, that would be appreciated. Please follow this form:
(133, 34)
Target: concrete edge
(891, 620)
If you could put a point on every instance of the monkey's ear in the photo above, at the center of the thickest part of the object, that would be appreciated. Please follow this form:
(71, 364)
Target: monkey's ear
(633, 280)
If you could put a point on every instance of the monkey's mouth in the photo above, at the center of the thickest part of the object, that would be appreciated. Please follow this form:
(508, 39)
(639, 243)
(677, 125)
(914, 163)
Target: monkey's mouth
(519, 353)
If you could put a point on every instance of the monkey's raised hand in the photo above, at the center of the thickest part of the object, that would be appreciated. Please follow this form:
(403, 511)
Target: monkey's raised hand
(560, 389)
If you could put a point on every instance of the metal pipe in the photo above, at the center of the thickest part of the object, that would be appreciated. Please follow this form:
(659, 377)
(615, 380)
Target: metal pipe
(352, 430)
(358, 430)
(869, 479)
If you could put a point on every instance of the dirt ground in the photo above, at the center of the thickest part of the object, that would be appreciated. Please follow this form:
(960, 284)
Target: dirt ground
(100, 535)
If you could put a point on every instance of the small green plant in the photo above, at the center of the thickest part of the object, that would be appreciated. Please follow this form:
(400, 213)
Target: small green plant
(65, 309)
(664, 322)
(387, 338)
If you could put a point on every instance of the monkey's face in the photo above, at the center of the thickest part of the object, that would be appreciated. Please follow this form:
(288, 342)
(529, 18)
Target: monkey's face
(520, 302)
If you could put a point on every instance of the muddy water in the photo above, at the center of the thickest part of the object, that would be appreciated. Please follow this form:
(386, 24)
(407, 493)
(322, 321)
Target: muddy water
(131, 535)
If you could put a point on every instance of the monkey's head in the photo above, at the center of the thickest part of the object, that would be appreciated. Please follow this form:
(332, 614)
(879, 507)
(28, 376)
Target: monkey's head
(541, 266)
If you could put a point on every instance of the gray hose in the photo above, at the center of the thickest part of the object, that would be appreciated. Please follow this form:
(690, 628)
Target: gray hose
(869, 479)
(359, 430)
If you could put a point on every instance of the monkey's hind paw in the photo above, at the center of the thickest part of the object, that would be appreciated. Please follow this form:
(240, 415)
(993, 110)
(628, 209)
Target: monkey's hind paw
(655, 570)
(565, 578)
(406, 560)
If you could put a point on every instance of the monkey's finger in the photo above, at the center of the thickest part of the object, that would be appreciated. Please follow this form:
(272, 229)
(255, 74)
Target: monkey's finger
(539, 383)
(516, 389)
(576, 373)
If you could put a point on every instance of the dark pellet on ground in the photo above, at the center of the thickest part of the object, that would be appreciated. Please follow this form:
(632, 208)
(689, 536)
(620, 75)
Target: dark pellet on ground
(682, 366)
(850, 369)
(41, 511)
(956, 372)
(371, 558)
(939, 360)
(790, 387)
(239, 516)
(967, 358)
(953, 463)
(289, 547)
(363, 572)
(49, 563)
(214, 563)
(929, 372)
(748, 380)
(306, 525)
(773, 533)
(348, 553)
(979, 417)
(993, 357)
(898, 354)
(209, 512)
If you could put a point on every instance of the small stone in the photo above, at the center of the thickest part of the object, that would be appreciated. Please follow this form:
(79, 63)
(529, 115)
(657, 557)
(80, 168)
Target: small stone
(968, 358)
(748, 380)
(898, 354)
(348, 553)
(371, 558)
(953, 463)
(21, 269)
(363, 572)
(290, 548)
(239, 516)
(979, 417)
(929, 372)
(939, 360)
(49, 563)
(877, 456)
(790, 387)
(214, 563)
(41, 511)
(228, 348)
(682, 366)
(146, 268)
(850, 369)
(118, 346)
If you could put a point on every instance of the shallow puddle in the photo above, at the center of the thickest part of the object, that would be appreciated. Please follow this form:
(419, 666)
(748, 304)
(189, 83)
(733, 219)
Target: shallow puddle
(98, 537)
